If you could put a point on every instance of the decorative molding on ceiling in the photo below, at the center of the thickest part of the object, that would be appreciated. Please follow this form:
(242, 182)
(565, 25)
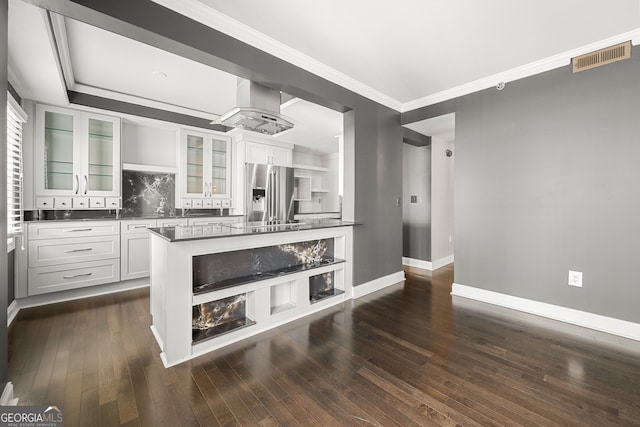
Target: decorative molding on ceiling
(14, 79)
(59, 31)
(145, 102)
(210, 17)
(54, 48)
(58, 34)
(528, 70)
(221, 22)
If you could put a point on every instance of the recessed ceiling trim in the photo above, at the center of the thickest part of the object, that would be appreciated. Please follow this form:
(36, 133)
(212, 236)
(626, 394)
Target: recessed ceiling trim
(59, 31)
(52, 40)
(13, 78)
(212, 18)
(119, 96)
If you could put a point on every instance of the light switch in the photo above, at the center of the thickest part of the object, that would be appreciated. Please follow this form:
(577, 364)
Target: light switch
(414, 199)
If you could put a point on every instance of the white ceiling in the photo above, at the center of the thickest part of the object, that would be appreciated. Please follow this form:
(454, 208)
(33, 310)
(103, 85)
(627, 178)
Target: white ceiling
(411, 49)
(442, 127)
(400, 53)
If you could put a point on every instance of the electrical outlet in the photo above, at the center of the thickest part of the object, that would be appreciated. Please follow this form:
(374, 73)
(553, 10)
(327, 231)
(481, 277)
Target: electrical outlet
(575, 278)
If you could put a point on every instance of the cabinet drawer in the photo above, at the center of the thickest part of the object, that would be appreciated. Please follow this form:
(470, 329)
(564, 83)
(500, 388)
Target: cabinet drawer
(55, 229)
(176, 222)
(64, 251)
(96, 202)
(212, 220)
(80, 203)
(112, 202)
(44, 202)
(137, 226)
(43, 280)
(62, 203)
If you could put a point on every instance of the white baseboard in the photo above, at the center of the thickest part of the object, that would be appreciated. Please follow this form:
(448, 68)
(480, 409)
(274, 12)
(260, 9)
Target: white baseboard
(439, 263)
(417, 263)
(427, 265)
(597, 322)
(55, 297)
(12, 311)
(377, 284)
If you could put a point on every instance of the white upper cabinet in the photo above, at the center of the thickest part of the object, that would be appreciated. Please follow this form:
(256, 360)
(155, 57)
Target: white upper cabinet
(77, 153)
(266, 154)
(206, 165)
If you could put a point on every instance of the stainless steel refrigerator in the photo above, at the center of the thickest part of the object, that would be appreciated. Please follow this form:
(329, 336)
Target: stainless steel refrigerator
(270, 193)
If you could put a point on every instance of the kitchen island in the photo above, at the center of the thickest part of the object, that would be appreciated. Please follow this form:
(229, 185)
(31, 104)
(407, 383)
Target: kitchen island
(218, 284)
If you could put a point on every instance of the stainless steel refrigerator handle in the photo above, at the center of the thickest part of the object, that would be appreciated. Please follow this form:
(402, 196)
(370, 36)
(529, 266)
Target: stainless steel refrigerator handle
(276, 194)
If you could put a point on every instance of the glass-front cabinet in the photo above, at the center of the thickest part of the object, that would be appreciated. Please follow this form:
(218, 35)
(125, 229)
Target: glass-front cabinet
(77, 154)
(207, 167)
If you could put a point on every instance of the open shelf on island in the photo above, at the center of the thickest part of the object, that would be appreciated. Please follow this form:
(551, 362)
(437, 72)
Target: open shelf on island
(236, 281)
(322, 286)
(213, 272)
(215, 318)
(283, 297)
(326, 294)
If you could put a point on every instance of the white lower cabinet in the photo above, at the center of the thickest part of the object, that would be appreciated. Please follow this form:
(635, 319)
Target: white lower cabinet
(66, 255)
(64, 277)
(134, 249)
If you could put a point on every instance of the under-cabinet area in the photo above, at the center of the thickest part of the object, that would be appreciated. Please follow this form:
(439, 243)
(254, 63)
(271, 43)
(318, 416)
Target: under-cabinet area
(211, 289)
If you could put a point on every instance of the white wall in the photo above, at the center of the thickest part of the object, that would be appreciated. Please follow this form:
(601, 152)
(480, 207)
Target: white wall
(442, 173)
(149, 144)
(331, 200)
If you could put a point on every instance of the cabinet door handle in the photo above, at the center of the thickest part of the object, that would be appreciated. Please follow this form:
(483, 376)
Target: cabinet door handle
(139, 226)
(78, 250)
(85, 185)
(77, 275)
(76, 229)
(77, 184)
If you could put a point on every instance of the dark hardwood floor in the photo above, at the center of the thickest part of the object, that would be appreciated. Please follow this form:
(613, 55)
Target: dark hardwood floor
(403, 356)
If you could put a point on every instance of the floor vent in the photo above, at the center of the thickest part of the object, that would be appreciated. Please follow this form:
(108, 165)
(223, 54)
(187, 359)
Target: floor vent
(602, 57)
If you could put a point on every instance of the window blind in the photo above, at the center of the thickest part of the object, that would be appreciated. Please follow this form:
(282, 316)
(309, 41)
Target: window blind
(15, 118)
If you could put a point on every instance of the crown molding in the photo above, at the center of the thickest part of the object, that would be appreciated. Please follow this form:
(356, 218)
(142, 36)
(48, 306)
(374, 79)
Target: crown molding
(210, 17)
(528, 70)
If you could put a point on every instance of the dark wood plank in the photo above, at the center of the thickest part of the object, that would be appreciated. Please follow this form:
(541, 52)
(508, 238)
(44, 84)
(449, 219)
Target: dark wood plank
(407, 355)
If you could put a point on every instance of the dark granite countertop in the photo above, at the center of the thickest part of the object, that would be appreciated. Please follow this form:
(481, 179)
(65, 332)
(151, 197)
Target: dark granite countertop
(121, 218)
(197, 232)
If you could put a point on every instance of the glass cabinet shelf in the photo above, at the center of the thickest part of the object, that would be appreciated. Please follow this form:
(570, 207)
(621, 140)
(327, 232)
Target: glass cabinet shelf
(61, 131)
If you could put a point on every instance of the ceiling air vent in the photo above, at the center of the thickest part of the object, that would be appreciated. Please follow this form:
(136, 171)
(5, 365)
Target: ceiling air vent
(601, 57)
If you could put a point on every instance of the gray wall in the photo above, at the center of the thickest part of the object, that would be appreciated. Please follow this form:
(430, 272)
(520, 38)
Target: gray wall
(416, 217)
(4, 276)
(373, 130)
(547, 180)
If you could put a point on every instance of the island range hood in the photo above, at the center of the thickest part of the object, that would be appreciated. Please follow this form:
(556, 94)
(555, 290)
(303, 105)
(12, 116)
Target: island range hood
(258, 110)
